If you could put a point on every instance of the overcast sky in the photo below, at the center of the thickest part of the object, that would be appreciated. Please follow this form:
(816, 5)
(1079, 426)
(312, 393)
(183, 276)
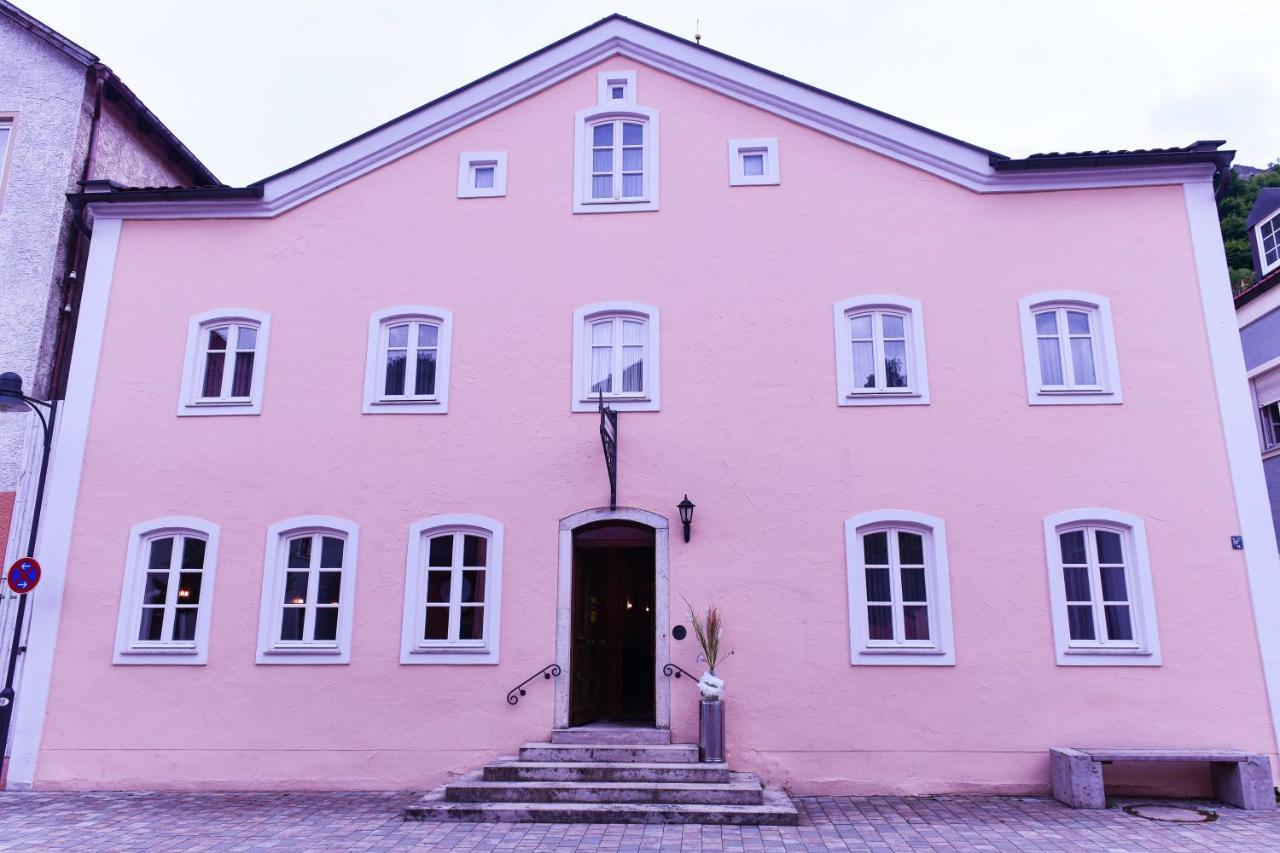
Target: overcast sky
(255, 86)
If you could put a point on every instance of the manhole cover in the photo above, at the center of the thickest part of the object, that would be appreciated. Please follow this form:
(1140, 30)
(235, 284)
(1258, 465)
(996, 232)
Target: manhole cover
(1171, 814)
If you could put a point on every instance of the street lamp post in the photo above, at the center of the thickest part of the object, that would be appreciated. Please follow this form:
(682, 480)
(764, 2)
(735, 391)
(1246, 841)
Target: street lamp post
(13, 400)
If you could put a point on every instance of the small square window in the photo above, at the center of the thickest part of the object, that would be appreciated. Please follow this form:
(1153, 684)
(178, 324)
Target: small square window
(483, 178)
(753, 162)
(482, 174)
(617, 93)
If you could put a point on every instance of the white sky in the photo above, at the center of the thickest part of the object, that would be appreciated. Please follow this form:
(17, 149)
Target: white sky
(255, 86)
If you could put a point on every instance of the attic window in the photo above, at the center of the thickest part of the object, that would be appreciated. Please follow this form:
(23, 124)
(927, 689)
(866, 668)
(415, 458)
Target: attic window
(753, 162)
(482, 174)
(615, 87)
(1269, 242)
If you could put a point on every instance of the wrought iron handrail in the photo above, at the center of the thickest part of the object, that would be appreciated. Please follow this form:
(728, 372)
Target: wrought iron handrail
(670, 669)
(548, 671)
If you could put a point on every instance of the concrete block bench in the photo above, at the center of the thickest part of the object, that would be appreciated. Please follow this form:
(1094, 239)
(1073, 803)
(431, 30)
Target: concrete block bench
(1241, 779)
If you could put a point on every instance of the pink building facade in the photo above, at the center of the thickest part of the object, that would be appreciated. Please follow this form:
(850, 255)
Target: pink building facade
(968, 437)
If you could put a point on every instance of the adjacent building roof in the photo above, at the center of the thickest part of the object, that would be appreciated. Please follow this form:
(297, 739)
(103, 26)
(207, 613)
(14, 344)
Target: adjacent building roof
(1267, 203)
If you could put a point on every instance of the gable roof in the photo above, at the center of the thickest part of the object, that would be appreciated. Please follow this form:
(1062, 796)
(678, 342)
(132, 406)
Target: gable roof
(963, 163)
(1267, 203)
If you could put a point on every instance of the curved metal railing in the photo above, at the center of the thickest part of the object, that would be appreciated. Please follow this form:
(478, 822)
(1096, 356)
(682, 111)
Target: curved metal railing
(675, 669)
(549, 671)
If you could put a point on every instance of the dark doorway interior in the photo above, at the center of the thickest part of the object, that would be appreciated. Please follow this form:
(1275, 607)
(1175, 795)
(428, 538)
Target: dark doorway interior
(612, 664)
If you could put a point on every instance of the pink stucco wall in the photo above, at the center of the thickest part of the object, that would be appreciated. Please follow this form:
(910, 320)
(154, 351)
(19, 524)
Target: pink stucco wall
(745, 279)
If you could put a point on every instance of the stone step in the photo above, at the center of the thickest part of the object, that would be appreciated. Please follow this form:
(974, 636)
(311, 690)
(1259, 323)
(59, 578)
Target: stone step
(611, 735)
(645, 753)
(605, 771)
(742, 789)
(776, 810)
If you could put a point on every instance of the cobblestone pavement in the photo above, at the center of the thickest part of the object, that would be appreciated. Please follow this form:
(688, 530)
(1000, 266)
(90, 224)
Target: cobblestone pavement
(371, 821)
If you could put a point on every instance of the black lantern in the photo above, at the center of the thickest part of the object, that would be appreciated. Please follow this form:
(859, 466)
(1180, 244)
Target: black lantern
(686, 515)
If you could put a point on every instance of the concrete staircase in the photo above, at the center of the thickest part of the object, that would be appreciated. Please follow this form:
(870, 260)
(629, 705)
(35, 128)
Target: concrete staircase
(607, 775)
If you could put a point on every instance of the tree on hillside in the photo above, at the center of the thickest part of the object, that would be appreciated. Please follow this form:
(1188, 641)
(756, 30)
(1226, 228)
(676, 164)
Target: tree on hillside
(1233, 210)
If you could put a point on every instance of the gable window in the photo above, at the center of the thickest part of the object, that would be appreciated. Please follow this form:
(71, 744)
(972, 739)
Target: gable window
(899, 592)
(1101, 588)
(225, 364)
(407, 367)
(1269, 242)
(452, 583)
(615, 357)
(168, 589)
(307, 593)
(616, 150)
(482, 174)
(1266, 395)
(880, 355)
(1068, 349)
(753, 162)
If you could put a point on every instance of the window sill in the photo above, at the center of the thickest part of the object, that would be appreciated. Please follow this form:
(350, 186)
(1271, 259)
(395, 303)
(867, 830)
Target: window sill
(1108, 657)
(1108, 652)
(755, 181)
(174, 655)
(303, 655)
(886, 398)
(420, 406)
(628, 206)
(640, 403)
(221, 407)
(903, 656)
(1273, 453)
(1069, 397)
(450, 655)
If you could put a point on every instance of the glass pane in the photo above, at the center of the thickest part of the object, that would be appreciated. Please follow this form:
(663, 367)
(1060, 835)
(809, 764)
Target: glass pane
(329, 588)
(1119, 627)
(602, 333)
(398, 336)
(1082, 361)
(602, 134)
(242, 379)
(910, 549)
(438, 587)
(913, 585)
(894, 326)
(632, 159)
(184, 624)
(484, 178)
(632, 333)
(915, 622)
(1047, 323)
(1050, 362)
(161, 553)
(895, 364)
(246, 338)
(428, 335)
(326, 624)
(864, 371)
(213, 365)
(472, 587)
(632, 134)
(875, 549)
(437, 624)
(189, 587)
(1072, 544)
(601, 369)
(192, 553)
(861, 326)
(617, 92)
(602, 186)
(394, 385)
(331, 552)
(880, 623)
(632, 186)
(602, 160)
(441, 551)
(156, 587)
(152, 624)
(295, 587)
(424, 384)
(1077, 323)
(1114, 587)
(471, 623)
(1109, 550)
(878, 585)
(218, 338)
(474, 550)
(1076, 580)
(633, 369)
(1080, 622)
(299, 553)
(292, 623)
(752, 164)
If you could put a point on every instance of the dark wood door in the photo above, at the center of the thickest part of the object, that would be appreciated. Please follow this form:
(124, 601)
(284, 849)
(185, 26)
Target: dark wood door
(585, 666)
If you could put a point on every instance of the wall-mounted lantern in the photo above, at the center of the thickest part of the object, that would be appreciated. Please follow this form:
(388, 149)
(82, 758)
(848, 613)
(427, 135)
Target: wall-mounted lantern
(686, 515)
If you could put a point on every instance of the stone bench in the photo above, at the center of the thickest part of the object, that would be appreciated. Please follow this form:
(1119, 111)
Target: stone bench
(1242, 779)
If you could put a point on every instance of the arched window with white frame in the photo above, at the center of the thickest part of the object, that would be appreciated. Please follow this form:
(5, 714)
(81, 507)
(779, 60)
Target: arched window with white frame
(408, 361)
(899, 589)
(615, 150)
(615, 357)
(453, 591)
(1069, 348)
(880, 352)
(1100, 586)
(167, 598)
(225, 363)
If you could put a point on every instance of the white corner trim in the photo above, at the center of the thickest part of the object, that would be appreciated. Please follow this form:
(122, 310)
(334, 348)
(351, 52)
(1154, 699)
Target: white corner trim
(188, 402)
(1105, 349)
(272, 591)
(943, 652)
(127, 651)
(1261, 560)
(582, 159)
(607, 81)
(61, 494)
(469, 161)
(918, 392)
(438, 404)
(415, 599)
(580, 397)
(1142, 600)
(772, 172)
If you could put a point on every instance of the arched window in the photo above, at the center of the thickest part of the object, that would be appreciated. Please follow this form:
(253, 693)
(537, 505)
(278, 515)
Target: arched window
(167, 596)
(453, 583)
(308, 590)
(899, 591)
(616, 150)
(225, 363)
(407, 369)
(615, 356)
(1069, 348)
(880, 354)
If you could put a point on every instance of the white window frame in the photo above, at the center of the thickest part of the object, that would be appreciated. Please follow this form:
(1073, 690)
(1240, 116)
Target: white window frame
(413, 649)
(607, 109)
(1269, 450)
(129, 649)
(863, 650)
(270, 649)
(917, 391)
(375, 402)
(1274, 221)
(1106, 365)
(1145, 650)
(189, 400)
(739, 148)
(470, 161)
(582, 400)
